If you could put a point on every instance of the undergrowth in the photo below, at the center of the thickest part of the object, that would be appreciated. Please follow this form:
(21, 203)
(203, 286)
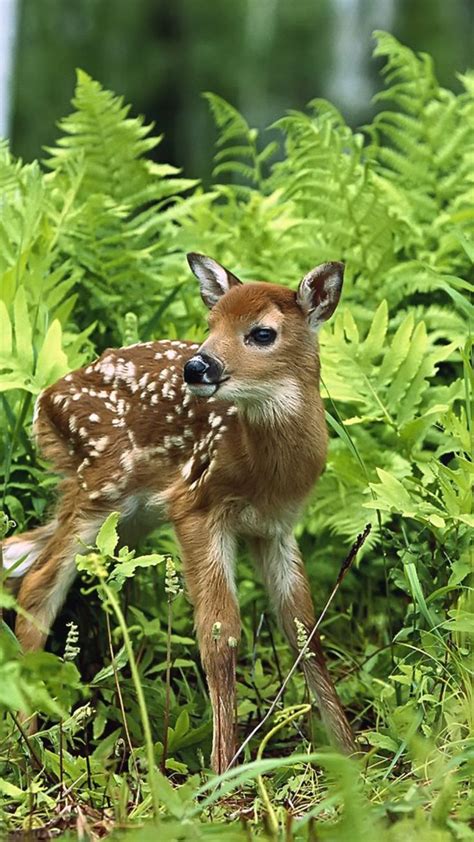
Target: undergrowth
(92, 243)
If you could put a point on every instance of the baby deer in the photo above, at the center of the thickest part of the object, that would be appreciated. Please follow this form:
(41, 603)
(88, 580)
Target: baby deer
(225, 440)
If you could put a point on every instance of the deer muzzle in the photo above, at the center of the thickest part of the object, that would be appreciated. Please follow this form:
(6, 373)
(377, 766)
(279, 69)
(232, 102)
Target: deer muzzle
(203, 374)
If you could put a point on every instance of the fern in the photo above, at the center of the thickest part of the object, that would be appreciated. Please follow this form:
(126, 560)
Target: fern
(121, 220)
(431, 139)
(238, 155)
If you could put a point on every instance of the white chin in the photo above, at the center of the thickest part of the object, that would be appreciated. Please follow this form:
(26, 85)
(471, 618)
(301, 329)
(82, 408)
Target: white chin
(202, 390)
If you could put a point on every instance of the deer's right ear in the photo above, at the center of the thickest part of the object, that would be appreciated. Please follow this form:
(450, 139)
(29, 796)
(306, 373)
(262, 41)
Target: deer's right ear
(214, 279)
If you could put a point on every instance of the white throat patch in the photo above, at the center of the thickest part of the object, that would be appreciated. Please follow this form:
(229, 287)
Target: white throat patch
(271, 404)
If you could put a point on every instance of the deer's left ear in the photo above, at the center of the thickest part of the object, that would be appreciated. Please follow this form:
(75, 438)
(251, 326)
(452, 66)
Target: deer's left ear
(214, 280)
(319, 292)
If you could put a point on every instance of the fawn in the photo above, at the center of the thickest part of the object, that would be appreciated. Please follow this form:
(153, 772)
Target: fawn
(223, 439)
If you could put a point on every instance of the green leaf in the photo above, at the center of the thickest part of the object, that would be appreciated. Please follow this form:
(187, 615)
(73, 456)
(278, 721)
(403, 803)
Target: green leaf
(374, 341)
(126, 569)
(52, 361)
(23, 330)
(391, 494)
(12, 791)
(5, 333)
(168, 795)
(107, 537)
(120, 660)
(462, 621)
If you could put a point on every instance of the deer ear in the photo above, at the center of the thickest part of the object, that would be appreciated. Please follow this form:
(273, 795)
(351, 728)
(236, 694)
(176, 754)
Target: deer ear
(214, 279)
(319, 292)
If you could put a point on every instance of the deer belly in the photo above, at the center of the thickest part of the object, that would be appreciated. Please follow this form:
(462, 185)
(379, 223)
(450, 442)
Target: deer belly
(140, 514)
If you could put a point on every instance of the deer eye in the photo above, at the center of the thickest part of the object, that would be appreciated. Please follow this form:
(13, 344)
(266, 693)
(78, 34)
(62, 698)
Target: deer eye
(262, 335)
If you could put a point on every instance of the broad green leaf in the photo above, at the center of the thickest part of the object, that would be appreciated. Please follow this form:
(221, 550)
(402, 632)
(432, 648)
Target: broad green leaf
(12, 791)
(23, 330)
(409, 366)
(5, 333)
(107, 537)
(52, 361)
(398, 350)
(390, 494)
(126, 569)
(374, 341)
(462, 621)
(120, 660)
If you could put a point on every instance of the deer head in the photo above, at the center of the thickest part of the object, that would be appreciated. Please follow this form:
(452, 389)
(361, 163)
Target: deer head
(260, 333)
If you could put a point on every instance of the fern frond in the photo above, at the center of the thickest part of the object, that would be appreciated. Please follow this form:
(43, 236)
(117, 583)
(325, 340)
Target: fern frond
(238, 155)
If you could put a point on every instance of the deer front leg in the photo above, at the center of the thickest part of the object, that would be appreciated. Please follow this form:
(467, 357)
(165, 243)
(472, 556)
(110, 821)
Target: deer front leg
(287, 583)
(208, 557)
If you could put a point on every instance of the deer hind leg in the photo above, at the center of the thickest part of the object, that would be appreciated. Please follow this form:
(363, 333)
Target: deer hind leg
(289, 590)
(208, 556)
(45, 586)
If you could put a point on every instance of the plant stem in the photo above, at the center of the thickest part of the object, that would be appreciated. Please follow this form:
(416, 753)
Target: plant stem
(166, 717)
(150, 753)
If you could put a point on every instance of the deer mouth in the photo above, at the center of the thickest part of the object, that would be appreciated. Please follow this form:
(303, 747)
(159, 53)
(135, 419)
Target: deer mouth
(206, 390)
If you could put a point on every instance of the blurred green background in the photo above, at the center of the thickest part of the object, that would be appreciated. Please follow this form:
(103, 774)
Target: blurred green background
(264, 56)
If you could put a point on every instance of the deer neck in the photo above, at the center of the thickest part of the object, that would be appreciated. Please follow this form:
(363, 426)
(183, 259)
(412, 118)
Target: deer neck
(284, 439)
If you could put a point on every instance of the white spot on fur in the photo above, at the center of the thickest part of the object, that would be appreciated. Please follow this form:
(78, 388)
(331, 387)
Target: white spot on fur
(108, 371)
(94, 417)
(111, 491)
(187, 468)
(168, 391)
(100, 444)
(127, 460)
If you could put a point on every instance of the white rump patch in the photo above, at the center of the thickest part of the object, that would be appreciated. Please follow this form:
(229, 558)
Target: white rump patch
(27, 551)
(23, 551)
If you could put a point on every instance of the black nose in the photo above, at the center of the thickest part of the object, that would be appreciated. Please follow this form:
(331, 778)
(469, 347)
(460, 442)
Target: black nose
(202, 369)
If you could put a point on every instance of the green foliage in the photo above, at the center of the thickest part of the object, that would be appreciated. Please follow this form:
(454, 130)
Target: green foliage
(92, 253)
